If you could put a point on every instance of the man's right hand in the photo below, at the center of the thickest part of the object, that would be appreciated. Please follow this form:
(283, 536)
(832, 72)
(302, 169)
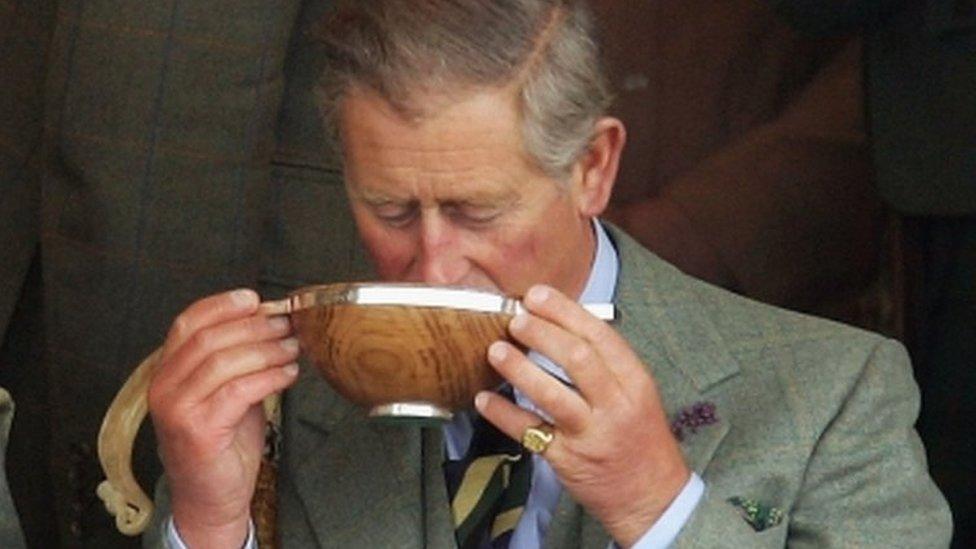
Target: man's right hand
(220, 360)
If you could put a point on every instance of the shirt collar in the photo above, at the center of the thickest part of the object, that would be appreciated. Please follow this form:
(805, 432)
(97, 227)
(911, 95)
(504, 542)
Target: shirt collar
(600, 288)
(602, 283)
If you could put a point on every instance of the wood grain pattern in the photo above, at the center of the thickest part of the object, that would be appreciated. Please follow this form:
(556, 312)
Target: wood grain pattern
(378, 354)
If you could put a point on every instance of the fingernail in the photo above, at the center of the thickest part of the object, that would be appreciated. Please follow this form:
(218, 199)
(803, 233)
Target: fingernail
(518, 322)
(537, 294)
(279, 323)
(497, 351)
(290, 345)
(291, 370)
(480, 401)
(244, 297)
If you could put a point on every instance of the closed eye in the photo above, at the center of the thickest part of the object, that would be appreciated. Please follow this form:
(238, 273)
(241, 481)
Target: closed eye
(471, 214)
(395, 214)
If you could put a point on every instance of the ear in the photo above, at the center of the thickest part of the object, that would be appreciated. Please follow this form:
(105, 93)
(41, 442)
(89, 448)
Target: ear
(596, 171)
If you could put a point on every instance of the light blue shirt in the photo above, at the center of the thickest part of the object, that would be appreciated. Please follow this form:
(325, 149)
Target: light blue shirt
(544, 495)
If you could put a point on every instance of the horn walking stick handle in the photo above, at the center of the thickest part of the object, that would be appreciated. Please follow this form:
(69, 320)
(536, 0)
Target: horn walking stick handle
(120, 492)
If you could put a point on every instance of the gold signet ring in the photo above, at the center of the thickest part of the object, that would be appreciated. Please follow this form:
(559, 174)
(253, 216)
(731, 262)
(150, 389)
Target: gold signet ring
(537, 439)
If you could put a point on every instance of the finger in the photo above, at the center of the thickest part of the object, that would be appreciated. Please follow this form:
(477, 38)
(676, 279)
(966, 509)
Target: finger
(223, 367)
(549, 303)
(207, 341)
(576, 355)
(233, 400)
(504, 414)
(566, 407)
(208, 312)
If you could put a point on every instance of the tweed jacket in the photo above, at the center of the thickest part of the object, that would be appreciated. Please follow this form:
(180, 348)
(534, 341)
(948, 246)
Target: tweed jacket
(813, 419)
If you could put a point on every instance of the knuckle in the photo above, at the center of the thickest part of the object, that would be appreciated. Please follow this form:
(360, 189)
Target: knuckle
(231, 391)
(203, 339)
(234, 391)
(181, 325)
(219, 362)
(265, 354)
(256, 324)
(581, 353)
(598, 331)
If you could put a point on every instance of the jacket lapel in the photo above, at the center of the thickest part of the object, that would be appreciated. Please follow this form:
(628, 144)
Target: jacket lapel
(438, 521)
(681, 373)
(359, 481)
(661, 316)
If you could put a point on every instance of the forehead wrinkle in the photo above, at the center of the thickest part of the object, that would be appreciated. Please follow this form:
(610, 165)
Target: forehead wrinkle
(472, 185)
(405, 180)
(420, 144)
(439, 169)
(467, 152)
(441, 190)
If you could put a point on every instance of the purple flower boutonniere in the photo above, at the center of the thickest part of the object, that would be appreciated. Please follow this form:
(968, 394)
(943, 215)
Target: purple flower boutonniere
(691, 418)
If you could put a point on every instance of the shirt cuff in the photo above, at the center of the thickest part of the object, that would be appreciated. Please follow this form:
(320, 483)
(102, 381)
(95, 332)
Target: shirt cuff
(663, 532)
(174, 541)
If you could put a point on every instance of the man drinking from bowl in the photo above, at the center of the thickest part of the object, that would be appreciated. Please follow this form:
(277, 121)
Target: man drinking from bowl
(477, 152)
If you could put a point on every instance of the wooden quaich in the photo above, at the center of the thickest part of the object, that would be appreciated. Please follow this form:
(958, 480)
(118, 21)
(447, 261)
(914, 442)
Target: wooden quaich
(404, 351)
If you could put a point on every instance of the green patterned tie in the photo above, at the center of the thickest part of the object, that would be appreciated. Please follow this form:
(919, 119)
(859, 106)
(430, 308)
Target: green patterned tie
(488, 488)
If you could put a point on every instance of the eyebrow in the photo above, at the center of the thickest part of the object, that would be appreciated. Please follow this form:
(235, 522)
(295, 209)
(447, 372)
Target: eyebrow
(485, 200)
(373, 196)
(477, 199)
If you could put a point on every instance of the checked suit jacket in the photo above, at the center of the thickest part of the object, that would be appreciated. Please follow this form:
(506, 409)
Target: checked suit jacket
(151, 152)
(814, 419)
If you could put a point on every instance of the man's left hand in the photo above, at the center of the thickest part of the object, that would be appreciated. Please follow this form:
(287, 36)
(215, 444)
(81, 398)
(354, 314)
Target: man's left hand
(613, 447)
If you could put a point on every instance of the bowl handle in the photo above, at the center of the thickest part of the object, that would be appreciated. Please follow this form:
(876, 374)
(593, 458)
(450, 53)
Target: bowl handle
(120, 492)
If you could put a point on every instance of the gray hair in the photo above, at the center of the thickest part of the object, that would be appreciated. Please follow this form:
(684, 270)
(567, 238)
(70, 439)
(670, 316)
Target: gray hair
(412, 51)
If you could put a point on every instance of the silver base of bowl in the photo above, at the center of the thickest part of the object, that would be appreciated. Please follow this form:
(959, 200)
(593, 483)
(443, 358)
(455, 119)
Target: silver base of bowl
(422, 412)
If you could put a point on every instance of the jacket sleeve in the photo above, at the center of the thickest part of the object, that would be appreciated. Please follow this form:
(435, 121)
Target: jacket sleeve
(866, 482)
(155, 535)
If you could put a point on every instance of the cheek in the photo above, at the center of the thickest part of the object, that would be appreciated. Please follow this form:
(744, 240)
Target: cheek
(542, 255)
(518, 261)
(523, 252)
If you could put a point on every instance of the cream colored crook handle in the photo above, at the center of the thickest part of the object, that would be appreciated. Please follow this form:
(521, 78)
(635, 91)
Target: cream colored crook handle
(120, 492)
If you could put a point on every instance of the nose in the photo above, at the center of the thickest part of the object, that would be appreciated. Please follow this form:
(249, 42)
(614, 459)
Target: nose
(441, 260)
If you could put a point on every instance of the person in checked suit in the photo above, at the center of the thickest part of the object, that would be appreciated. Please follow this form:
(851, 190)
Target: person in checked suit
(477, 152)
(151, 152)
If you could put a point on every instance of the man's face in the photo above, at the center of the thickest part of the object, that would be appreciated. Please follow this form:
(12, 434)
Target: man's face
(453, 199)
